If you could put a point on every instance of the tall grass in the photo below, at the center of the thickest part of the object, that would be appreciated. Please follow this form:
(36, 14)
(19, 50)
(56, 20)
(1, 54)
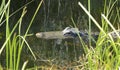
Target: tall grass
(14, 40)
(106, 54)
(89, 22)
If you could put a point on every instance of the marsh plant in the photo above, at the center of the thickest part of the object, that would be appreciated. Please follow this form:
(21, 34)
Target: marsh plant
(106, 53)
(15, 41)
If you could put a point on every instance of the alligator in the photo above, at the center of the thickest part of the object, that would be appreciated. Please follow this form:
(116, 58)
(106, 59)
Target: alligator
(70, 32)
(74, 32)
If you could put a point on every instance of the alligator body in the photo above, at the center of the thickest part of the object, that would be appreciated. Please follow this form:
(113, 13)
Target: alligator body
(74, 32)
(69, 32)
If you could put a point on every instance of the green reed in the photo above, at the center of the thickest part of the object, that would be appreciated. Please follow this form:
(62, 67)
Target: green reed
(14, 42)
(106, 53)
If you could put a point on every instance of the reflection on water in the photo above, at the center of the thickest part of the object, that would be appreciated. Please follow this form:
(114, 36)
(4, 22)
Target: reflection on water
(57, 51)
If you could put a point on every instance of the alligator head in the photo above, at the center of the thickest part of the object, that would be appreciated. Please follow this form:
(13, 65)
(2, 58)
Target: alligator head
(68, 31)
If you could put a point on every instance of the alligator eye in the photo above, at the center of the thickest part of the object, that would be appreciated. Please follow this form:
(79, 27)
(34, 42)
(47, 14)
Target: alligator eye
(68, 33)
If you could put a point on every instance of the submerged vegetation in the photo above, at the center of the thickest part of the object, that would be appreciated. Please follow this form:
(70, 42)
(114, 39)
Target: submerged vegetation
(19, 48)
